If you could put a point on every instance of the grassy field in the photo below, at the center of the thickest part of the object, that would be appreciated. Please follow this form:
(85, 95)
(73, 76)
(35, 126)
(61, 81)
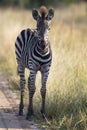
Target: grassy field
(66, 101)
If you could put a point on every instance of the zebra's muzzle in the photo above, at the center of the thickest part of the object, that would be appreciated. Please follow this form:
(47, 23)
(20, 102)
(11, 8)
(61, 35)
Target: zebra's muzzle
(42, 44)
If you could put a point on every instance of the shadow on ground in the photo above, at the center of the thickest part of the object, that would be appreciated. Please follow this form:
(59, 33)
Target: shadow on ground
(10, 119)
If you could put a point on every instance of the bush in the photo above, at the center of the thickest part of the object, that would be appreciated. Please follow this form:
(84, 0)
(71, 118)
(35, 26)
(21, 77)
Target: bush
(35, 3)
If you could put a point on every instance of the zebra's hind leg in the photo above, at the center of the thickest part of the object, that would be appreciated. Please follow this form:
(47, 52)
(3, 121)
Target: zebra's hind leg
(21, 72)
(31, 87)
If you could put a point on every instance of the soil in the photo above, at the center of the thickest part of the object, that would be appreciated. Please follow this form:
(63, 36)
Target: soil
(9, 119)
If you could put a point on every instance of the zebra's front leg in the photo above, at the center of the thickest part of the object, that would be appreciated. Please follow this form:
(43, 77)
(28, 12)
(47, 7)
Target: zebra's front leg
(43, 92)
(21, 72)
(31, 87)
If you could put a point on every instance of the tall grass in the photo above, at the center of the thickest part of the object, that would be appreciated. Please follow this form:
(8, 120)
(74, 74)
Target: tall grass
(66, 101)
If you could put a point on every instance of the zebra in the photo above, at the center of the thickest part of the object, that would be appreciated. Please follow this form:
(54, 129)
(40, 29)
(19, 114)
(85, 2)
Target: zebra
(33, 51)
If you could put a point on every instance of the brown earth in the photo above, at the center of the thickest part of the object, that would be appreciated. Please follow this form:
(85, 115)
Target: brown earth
(8, 110)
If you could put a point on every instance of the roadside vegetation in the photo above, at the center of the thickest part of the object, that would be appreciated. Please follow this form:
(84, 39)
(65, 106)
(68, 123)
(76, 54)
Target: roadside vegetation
(66, 101)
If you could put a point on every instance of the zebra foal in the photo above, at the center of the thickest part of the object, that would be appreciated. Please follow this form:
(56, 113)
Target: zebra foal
(33, 51)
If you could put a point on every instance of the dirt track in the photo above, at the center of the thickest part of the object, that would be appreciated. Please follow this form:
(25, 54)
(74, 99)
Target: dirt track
(8, 105)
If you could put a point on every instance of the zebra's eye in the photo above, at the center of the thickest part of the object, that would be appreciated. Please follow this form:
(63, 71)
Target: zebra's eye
(49, 28)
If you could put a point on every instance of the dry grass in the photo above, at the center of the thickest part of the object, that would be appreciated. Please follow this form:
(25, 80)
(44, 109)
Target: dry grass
(66, 101)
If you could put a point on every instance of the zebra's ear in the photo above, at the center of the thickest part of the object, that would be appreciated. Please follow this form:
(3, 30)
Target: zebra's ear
(35, 14)
(50, 14)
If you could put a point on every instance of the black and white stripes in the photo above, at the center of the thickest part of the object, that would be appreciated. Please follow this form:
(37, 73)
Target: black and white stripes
(33, 51)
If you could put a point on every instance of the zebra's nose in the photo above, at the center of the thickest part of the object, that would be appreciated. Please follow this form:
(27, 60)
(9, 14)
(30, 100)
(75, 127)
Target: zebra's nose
(43, 44)
(42, 41)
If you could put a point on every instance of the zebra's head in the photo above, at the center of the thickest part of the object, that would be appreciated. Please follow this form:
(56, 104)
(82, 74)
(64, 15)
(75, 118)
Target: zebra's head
(43, 18)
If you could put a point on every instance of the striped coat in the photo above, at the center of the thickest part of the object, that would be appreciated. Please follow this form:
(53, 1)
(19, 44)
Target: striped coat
(27, 50)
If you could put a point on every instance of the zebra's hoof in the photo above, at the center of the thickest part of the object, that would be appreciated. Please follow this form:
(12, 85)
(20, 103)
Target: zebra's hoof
(30, 115)
(43, 114)
(21, 113)
(27, 117)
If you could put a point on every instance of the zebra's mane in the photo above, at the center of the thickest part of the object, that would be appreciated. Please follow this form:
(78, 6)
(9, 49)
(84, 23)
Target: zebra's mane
(43, 11)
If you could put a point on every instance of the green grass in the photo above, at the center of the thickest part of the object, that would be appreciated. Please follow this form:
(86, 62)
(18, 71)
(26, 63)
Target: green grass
(66, 101)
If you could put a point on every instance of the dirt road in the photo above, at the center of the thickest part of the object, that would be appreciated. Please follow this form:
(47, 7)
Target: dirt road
(8, 104)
